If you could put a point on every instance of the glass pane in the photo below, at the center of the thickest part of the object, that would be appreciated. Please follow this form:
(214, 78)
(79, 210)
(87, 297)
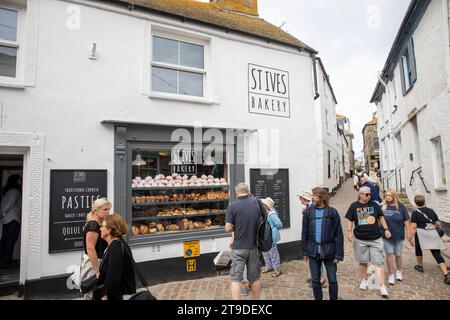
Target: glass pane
(191, 84)
(164, 80)
(165, 50)
(8, 61)
(191, 55)
(8, 24)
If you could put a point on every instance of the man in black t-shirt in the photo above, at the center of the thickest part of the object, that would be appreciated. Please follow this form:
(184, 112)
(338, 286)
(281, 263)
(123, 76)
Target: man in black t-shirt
(242, 217)
(368, 245)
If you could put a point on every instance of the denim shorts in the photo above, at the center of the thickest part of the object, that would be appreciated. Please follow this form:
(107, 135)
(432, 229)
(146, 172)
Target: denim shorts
(369, 251)
(245, 257)
(393, 247)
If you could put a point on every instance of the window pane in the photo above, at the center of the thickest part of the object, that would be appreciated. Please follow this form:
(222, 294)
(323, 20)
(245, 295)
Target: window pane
(165, 50)
(8, 58)
(191, 55)
(164, 80)
(8, 24)
(191, 84)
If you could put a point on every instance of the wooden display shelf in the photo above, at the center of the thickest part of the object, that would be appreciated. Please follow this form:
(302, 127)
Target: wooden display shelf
(181, 188)
(178, 217)
(147, 204)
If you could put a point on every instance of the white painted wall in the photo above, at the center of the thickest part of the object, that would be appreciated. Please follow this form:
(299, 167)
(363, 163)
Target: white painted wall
(430, 90)
(327, 138)
(73, 94)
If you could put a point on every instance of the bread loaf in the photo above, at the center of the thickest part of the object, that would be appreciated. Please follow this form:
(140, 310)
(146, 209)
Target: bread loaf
(191, 225)
(152, 225)
(184, 224)
(143, 229)
(199, 225)
(160, 227)
(153, 230)
(172, 227)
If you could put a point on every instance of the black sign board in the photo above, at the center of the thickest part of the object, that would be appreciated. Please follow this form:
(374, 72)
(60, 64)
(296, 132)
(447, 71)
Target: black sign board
(72, 193)
(275, 184)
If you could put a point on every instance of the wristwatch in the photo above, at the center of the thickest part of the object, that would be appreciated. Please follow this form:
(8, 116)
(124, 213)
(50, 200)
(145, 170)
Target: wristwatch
(386, 229)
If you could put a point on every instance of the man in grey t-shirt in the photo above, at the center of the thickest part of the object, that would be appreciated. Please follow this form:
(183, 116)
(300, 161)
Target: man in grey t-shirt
(242, 217)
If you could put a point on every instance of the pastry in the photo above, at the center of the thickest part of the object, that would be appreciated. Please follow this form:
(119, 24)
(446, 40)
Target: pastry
(143, 229)
(135, 230)
(172, 227)
(152, 225)
(153, 230)
(160, 227)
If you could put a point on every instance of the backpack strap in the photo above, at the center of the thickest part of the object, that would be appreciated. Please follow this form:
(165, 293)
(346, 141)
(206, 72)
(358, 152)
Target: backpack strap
(138, 271)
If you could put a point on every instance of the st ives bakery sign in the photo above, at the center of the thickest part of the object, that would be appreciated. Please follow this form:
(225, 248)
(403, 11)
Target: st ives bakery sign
(268, 91)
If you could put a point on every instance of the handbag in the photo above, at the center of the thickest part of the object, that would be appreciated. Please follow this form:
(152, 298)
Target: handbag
(432, 225)
(141, 295)
(88, 284)
(87, 274)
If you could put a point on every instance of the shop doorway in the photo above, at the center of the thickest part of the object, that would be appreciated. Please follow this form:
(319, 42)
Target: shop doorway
(11, 166)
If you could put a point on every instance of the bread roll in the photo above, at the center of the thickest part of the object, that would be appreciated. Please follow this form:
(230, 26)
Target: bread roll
(160, 227)
(199, 225)
(191, 225)
(143, 229)
(135, 230)
(153, 230)
(152, 225)
(172, 227)
(184, 224)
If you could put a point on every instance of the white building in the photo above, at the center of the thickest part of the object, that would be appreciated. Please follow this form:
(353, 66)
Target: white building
(329, 146)
(111, 86)
(346, 138)
(412, 101)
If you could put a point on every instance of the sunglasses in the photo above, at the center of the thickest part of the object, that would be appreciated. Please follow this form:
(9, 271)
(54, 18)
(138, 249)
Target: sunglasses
(367, 194)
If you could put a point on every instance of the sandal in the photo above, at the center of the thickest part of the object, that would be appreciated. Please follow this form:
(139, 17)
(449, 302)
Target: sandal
(276, 273)
(419, 268)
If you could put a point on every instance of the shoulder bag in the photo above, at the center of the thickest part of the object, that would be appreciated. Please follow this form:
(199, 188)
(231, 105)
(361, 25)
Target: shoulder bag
(429, 238)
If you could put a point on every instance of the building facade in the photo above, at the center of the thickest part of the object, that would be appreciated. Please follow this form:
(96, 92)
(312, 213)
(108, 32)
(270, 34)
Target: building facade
(133, 99)
(412, 99)
(329, 147)
(371, 146)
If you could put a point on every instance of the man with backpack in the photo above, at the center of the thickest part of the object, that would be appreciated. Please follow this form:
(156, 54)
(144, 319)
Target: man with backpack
(243, 217)
(360, 174)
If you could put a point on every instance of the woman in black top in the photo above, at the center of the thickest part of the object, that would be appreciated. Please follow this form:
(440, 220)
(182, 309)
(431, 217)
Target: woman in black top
(419, 219)
(93, 244)
(116, 270)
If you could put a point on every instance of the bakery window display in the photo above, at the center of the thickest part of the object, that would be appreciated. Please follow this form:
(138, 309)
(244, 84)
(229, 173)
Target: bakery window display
(178, 203)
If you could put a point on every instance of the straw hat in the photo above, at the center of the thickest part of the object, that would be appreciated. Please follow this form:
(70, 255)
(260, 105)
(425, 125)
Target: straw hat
(268, 202)
(305, 195)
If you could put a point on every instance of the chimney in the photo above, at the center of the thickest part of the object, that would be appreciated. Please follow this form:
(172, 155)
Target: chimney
(242, 6)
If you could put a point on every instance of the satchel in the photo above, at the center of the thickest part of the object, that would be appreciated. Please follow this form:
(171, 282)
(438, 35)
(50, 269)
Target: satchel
(429, 239)
(88, 284)
(432, 225)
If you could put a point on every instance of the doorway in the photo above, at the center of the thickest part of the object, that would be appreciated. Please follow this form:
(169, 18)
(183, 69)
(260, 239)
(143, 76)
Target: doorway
(11, 166)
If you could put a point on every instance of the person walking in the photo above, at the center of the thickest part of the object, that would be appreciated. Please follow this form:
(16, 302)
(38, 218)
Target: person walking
(375, 195)
(242, 217)
(272, 257)
(93, 244)
(426, 218)
(323, 242)
(306, 202)
(398, 222)
(366, 216)
(116, 279)
(11, 211)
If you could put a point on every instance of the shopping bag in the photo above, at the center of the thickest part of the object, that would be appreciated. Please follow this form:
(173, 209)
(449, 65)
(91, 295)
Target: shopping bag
(223, 259)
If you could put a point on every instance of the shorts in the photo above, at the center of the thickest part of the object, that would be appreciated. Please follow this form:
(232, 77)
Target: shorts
(393, 247)
(245, 257)
(369, 251)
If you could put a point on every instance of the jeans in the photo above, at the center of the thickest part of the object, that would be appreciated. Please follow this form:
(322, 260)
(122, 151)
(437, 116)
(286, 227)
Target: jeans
(331, 267)
(10, 235)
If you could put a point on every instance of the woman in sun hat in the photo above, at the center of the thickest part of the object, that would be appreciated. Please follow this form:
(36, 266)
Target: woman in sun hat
(272, 257)
(305, 200)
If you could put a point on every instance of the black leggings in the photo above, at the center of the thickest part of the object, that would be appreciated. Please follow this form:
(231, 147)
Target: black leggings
(436, 253)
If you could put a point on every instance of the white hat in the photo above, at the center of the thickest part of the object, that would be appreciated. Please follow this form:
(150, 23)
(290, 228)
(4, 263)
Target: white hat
(305, 195)
(268, 202)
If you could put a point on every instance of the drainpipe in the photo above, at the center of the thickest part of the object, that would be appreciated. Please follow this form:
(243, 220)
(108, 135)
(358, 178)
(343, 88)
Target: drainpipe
(446, 12)
(316, 88)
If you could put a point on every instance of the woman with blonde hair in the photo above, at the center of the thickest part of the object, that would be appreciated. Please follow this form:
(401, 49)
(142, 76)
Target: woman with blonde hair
(116, 280)
(93, 244)
(398, 222)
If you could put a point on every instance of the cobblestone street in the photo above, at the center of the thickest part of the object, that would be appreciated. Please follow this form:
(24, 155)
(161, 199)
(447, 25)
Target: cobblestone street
(292, 285)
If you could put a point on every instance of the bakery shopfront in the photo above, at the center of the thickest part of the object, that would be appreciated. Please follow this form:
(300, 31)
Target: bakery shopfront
(174, 185)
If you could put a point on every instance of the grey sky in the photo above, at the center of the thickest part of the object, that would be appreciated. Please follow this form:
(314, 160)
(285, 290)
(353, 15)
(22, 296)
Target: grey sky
(353, 38)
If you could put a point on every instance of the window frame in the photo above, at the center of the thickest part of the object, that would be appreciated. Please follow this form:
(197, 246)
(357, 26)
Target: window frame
(18, 44)
(438, 163)
(205, 72)
(408, 70)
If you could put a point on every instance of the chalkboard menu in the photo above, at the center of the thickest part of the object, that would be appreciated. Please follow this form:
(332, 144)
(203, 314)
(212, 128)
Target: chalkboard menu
(275, 184)
(72, 193)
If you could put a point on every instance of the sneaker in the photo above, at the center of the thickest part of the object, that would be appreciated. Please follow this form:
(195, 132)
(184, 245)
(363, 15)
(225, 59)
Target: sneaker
(419, 268)
(399, 276)
(245, 291)
(276, 273)
(383, 291)
(447, 279)
(391, 279)
(364, 284)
